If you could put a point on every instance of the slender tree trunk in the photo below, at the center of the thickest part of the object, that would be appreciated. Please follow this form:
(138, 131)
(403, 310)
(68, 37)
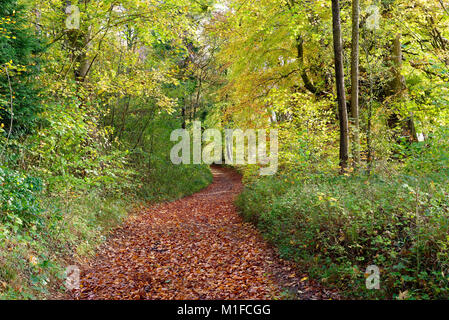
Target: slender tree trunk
(198, 96)
(398, 82)
(191, 106)
(183, 114)
(111, 136)
(340, 81)
(151, 151)
(355, 81)
(399, 87)
(370, 155)
(368, 138)
(124, 114)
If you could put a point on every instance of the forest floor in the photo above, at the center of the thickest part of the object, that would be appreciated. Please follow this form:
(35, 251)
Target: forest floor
(197, 247)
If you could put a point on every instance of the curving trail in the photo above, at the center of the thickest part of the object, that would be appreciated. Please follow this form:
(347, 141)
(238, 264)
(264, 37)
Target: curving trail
(197, 247)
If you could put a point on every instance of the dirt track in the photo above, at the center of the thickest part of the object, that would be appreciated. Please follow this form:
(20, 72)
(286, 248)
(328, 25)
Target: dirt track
(197, 247)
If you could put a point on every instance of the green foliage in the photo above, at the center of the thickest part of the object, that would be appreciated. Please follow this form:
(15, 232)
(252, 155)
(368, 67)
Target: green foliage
(72, 152)
(391, 210)
(107, 96)
(429, 155)
(32, 254)
(18, 198)
(105, 106)
(18, 65)
(336, 226)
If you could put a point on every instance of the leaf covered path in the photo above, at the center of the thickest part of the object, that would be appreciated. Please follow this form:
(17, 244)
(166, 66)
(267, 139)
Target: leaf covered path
(197, 247)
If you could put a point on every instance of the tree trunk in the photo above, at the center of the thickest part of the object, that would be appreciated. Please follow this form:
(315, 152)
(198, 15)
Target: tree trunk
(305, 78)
(398, 88)
(340, 81)
(79, 42)
(355, 81)
(124, 114)
(369, 105)
(398, 82)
(183, 114)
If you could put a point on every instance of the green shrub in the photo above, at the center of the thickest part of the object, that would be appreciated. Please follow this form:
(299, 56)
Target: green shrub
(18, 201)
(20, 47)
(337, 226)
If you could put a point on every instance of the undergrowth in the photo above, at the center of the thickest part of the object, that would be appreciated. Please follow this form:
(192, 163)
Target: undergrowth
(335, 226)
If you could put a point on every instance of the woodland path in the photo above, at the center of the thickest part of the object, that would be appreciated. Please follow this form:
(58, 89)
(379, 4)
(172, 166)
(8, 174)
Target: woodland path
(197, 247)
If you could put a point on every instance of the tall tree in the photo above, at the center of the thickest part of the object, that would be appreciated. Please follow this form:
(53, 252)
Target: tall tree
(340, 82)
(19, 46)
(355, 81)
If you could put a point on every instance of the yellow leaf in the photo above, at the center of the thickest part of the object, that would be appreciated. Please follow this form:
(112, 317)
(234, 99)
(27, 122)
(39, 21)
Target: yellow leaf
(403, 295)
